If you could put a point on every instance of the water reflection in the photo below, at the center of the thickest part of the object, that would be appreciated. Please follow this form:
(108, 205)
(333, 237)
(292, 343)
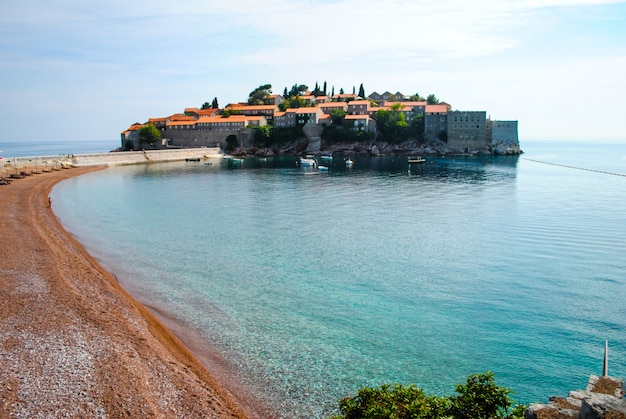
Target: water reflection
(458, 168)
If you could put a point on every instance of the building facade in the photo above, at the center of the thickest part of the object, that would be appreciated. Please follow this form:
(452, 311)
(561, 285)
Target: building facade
(467, 131)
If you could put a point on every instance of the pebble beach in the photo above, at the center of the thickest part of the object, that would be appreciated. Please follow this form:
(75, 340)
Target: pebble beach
(73, 343)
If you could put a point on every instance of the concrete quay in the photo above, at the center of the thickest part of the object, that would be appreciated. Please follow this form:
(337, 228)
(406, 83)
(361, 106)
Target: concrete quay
(114, 158)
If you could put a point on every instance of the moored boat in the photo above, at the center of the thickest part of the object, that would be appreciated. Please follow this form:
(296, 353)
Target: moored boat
(416, 160)
(308, 161)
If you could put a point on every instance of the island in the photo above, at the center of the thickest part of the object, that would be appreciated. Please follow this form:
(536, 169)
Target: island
(314, 122)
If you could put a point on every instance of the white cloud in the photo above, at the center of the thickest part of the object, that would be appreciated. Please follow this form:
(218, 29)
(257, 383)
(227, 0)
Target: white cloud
(159, 56)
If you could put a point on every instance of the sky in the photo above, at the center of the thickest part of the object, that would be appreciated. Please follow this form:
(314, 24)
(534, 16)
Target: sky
(84, 70)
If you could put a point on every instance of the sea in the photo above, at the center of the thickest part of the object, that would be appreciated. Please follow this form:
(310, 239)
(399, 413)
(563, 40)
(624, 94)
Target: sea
(10, 149)
(314, 283)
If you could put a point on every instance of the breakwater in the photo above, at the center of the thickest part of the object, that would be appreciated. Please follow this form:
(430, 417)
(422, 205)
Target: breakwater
(114, 158)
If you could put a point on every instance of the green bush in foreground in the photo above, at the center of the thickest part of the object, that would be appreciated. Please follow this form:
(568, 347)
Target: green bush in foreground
(478, 398)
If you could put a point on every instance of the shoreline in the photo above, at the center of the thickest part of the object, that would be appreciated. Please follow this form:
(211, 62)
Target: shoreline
(75, 342)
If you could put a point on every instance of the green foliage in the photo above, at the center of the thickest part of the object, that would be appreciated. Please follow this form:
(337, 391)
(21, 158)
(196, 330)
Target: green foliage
(392, 403)
(229, 112)
(416, 127)
(392, 124)
(213, 104)
(294, 102)
(361, 91)
(231, 142)
(432, 99)
(149, 134)
(336, 134)
(478, 398)
(262, 136)
(336, 116)
(268, 136)
(296, 90)
(257, 96)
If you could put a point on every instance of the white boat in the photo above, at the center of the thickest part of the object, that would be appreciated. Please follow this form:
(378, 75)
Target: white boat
(416, 160)
(349, 162)
(323, 168)
(326, 157)
(308, 161)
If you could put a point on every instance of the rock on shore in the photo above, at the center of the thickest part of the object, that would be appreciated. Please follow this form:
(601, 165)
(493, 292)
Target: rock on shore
(603, 399)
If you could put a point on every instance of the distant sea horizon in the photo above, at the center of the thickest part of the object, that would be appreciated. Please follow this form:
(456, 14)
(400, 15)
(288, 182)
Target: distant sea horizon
(44, 148)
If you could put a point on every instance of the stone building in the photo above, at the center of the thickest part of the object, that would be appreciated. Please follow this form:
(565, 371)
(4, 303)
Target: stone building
(436, 120)
(467, 131)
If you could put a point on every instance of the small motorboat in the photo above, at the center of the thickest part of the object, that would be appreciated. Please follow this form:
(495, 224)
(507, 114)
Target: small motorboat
(416, 160)
(349, 162)
(308, 161)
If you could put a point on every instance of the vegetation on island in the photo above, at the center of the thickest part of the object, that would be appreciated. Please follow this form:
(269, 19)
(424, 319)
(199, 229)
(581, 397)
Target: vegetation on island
(479, 398)
(149, 134)
(391, 123)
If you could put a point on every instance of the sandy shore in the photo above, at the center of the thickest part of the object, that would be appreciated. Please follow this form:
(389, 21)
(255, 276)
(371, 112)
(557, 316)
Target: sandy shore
(73, 343)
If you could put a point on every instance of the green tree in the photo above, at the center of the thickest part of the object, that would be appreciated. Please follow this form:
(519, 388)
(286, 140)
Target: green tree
(416, 98)
(478, 398)
(416, 127)
(394, 402)
(297, 90)
(392, 123)
(257, 95)
(214, 104)
(231, 142)
(432, 99)
(205, 105)
(149, 134)
(337, 115)
(324, 91)
(361, 91)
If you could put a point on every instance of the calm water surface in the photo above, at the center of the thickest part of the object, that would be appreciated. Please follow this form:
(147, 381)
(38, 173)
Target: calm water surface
(315, 284)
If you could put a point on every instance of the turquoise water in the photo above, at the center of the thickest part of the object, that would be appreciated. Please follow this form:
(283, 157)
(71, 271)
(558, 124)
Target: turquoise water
(315, 284)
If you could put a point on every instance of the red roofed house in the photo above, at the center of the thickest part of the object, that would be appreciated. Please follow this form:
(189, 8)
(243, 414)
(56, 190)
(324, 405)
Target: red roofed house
(436, 121)
(360, 122)
(359, 107)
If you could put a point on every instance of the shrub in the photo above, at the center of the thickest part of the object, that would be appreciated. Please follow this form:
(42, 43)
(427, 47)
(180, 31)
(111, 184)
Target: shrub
(478, 398)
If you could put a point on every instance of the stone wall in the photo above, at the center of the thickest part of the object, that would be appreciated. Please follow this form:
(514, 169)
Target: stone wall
(197, 137)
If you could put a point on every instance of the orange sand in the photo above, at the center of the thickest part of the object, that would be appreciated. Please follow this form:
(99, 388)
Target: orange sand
(73, 343)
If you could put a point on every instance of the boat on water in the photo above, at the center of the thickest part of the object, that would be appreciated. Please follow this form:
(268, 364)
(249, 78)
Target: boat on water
(192, 159)
(308, 161)
(416, 160)
(349, 162)
(326, 156)
(323, 168)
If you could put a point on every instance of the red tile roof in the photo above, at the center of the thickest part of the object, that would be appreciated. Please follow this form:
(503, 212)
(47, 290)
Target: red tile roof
(437, 108)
